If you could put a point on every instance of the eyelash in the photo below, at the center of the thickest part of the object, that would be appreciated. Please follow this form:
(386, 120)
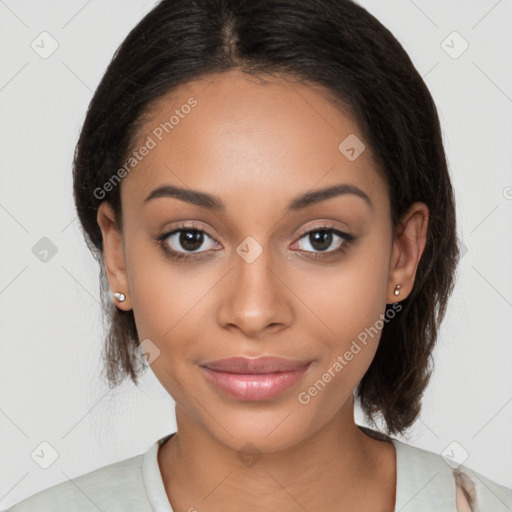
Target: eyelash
(178, 256)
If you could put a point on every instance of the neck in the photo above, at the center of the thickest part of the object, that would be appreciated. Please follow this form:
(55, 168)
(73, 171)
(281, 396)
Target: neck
(337, 464)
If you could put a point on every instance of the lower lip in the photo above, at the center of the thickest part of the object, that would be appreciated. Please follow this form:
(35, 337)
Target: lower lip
(254, 386)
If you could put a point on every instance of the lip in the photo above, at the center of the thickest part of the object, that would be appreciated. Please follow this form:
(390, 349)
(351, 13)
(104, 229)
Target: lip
(254, 379)
(255, 365)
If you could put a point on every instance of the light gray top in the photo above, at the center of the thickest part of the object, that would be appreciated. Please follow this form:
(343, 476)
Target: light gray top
(425, 483)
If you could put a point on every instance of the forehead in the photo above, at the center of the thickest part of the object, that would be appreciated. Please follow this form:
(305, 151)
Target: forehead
(231, 133)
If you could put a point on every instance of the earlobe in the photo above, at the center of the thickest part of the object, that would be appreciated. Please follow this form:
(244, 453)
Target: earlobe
(113, 255)
(408, 247)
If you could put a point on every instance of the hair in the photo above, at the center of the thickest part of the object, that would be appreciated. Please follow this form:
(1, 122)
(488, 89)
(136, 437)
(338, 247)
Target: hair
(334, 44)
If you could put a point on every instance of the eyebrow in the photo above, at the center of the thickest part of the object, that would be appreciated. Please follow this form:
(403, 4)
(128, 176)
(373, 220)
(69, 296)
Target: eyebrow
(210, 202)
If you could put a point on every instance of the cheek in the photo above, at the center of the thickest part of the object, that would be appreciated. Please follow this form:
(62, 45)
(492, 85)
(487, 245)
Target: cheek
(162, 304)
(351, 310)
(167, 300)
(155, 301)
(347, 299)
(348, 305)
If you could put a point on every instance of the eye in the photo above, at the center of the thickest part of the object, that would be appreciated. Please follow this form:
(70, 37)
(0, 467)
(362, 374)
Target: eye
(320, 239)
(185, 242)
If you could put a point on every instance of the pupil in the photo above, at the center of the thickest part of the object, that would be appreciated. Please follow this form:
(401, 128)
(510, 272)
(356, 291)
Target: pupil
(189, 238)
(320, 240)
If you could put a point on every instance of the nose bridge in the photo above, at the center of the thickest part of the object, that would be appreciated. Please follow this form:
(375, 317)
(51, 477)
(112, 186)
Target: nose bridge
(254, 296)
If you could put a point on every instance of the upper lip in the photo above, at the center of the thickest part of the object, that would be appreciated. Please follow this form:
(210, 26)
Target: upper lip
(259, 365)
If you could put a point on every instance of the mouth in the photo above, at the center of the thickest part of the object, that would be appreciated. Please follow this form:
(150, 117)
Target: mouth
(254, 379)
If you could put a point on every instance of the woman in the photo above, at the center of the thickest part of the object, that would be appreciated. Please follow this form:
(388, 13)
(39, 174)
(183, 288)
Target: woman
(265, 188)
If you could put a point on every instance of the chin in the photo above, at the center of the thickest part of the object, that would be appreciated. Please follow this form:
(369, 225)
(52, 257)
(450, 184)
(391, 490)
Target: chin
(262, 431)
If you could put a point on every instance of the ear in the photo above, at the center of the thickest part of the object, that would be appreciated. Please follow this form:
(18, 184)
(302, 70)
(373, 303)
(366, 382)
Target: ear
(113, 254)
(408, 246)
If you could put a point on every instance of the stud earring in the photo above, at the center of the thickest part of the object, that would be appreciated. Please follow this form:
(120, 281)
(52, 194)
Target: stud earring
(397, 289)
(120, 296)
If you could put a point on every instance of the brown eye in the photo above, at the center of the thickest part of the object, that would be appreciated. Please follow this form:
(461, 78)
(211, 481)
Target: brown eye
(186, 240)
(191, 239)
(321, 239)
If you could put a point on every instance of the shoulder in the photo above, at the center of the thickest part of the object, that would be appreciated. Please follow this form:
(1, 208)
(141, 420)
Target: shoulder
(426, 478)
(116, 487)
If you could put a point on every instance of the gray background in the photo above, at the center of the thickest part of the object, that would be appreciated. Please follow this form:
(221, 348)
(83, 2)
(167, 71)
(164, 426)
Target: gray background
(51, 332)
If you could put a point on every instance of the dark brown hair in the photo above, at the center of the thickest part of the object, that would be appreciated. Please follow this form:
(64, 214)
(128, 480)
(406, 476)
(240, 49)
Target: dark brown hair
(334, 44)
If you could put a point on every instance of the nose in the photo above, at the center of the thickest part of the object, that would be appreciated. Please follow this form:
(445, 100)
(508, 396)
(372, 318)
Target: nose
(254, 297)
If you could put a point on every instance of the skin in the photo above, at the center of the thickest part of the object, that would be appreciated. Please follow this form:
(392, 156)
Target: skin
(256, 146)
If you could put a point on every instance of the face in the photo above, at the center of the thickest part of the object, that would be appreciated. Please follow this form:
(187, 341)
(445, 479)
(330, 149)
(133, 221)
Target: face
(255, 272)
